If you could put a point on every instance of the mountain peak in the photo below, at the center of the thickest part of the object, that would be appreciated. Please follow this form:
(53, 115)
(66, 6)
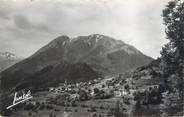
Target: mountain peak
(56, 43)
(63, 37)
(8, 55)
(8, 59)
(96, 36)
(60, 39)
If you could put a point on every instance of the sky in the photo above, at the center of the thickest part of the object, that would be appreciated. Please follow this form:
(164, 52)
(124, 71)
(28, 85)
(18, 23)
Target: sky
(28, 25)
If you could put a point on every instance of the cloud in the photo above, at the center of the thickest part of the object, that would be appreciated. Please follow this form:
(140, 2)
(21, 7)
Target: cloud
(22, 22)
(27, 25)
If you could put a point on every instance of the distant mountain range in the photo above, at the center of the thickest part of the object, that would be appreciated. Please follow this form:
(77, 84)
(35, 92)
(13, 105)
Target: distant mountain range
(8, 59)
(78, 59)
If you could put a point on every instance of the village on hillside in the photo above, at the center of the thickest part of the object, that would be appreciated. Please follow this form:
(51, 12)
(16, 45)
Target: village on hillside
(99, 97)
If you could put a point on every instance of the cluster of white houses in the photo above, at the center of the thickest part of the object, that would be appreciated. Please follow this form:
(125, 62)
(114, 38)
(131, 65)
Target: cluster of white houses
(117, 90)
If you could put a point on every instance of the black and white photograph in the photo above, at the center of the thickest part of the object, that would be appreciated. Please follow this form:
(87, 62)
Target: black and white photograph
(91, 58)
